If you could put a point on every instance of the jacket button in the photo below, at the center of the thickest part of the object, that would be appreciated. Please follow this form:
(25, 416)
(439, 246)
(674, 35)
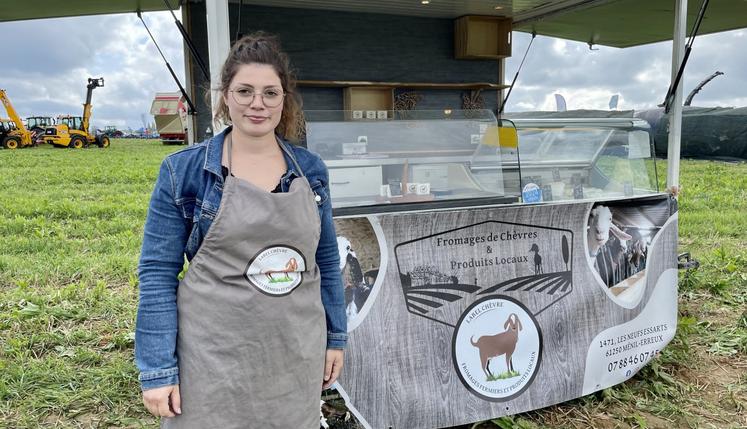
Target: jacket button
(317, 198)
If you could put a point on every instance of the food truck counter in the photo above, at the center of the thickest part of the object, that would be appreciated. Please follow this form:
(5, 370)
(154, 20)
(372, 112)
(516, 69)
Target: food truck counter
(455, 229)
(426, 160)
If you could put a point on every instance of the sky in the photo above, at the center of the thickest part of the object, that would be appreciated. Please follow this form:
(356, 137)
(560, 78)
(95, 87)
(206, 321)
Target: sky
(53, 59)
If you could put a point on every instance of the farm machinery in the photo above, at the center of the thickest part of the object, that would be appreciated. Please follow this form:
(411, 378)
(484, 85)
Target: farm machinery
(72, 131)
(37, 125)
(16, 134)
(112, 132)
(6, 126)
(170, 114)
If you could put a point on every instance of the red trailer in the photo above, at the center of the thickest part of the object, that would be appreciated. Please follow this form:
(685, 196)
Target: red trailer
(170, 114)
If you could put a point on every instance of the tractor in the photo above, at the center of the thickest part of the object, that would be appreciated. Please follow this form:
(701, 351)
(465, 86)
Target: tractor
(72, 131)
(18, 136)
(37, 125)
(6, 126)
(112, 132)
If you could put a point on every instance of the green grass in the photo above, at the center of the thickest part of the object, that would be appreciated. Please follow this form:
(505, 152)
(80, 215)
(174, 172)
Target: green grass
(71, 227)
(503, 375)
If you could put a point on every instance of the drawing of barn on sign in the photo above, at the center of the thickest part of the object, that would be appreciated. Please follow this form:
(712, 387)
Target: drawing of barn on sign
(443, 273)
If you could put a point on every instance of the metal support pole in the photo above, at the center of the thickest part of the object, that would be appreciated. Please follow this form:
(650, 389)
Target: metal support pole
(501, 80)
(675, 115)
(219, 43)
(188, 79)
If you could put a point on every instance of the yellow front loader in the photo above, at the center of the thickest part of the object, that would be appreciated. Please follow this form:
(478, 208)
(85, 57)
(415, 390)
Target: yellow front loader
(6, 126)
(19, 136)
(72, 131)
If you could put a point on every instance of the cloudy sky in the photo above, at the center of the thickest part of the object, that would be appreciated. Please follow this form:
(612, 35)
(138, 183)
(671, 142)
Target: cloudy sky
(53, 58)
(640, 75)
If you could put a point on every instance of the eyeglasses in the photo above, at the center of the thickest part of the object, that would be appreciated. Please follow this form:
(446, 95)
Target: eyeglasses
(271, 97)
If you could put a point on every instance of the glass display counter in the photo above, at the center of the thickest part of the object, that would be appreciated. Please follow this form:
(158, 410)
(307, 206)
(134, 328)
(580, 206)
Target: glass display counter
(591, 158)
(385, 161)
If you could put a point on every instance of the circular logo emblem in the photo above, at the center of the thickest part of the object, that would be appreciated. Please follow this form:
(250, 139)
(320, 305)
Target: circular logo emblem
(531, 193)
(276, 270)
(497, 348)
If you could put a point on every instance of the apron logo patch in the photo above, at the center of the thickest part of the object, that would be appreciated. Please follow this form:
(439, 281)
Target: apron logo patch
(276, 270)
(497, 347)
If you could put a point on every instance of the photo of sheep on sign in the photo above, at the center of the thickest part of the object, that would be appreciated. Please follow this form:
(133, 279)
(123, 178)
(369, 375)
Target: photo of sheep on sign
(618, 240)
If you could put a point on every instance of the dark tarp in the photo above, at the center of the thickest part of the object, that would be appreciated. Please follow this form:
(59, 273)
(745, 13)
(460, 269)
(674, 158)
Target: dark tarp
(707, 132)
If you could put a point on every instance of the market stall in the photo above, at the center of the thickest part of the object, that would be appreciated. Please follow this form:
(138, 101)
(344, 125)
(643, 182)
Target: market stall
(485, 277)
(492, 266)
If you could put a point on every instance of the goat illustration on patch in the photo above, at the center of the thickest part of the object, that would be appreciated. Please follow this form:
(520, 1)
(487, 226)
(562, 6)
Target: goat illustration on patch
(497, 348)
(500, 344)
(290, 266)
(276, 270)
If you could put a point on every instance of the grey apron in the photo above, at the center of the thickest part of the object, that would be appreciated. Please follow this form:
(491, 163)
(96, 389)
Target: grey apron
(252, 330)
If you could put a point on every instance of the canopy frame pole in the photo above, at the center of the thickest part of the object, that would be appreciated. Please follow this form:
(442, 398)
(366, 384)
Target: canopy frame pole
(219, 43)
(189, 79)
(675, 116)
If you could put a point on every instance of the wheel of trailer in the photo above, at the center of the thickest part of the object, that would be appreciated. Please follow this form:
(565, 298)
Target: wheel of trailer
(77, 142)
(103, 141)
(11, 142)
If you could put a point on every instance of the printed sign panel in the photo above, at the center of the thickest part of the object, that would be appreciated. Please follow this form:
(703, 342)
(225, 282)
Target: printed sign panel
(477, 313)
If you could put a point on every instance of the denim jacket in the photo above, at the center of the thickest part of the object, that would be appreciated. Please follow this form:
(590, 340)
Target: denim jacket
(182, 208)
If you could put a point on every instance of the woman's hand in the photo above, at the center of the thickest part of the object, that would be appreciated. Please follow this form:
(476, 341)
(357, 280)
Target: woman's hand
(164, 401)
(332, 367)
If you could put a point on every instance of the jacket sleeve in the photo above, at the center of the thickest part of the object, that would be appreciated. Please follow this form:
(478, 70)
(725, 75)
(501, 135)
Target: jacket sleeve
(161, 261)
(328, 260)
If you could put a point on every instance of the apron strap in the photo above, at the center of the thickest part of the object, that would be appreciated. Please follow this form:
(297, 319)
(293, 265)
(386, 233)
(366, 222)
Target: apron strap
(229, 141)
(290, 155)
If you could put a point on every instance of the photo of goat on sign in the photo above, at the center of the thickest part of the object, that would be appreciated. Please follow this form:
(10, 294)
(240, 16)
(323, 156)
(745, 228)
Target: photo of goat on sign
(360, 259)
(500, 344)
(618, 240)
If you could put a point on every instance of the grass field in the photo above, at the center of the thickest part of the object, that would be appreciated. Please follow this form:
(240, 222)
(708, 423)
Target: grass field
(70, 232)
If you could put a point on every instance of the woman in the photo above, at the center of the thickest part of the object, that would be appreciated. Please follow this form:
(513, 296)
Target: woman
(261, 310)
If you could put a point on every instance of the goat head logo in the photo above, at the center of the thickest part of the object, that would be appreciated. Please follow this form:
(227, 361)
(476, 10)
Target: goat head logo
(497, 348)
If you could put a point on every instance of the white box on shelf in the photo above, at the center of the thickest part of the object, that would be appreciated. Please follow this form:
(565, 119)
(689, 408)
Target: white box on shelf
(355, 181)
(381, 114)
(354, 148)
(370, 114)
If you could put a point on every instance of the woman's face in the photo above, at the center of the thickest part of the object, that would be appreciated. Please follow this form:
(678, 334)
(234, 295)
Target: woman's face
(253, 117)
